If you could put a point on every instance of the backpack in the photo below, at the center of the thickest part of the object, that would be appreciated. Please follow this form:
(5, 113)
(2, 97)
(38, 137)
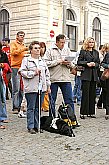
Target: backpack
(66, 113)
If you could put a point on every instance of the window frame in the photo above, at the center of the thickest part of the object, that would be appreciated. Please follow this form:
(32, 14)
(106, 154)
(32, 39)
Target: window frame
(4, 23)
(96, 31)
(70, 26)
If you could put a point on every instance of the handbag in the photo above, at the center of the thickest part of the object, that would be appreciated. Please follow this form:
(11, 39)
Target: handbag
(73, 70)
(105, 74)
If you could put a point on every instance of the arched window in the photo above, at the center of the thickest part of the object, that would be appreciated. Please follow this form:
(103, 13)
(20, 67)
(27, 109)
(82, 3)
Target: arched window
(71, 30)
(70, 15)
(4, 24)
(96, 31)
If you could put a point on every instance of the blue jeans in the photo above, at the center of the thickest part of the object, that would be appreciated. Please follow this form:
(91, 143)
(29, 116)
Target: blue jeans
(3, 112)
(77, 89)
(66, 89)
(33, 109)
(17, 93)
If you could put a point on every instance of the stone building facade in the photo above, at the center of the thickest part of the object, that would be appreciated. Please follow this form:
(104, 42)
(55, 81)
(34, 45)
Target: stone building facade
(77, 19)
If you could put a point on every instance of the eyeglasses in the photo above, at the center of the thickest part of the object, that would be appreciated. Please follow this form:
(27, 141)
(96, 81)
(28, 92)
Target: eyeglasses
(37, 48)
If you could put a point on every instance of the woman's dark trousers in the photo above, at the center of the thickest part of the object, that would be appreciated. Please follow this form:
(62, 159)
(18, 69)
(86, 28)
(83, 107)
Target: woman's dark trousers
(88, 98)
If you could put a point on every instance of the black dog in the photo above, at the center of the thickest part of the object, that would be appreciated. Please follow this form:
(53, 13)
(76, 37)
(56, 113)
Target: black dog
(56, 125)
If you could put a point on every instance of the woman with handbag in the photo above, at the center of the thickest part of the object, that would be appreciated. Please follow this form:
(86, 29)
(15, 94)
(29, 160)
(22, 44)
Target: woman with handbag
(102, 84)
(89, 59)
(105, 65)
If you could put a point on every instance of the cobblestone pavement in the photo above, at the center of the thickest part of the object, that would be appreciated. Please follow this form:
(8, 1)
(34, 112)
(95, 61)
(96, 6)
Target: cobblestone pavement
(90, 146)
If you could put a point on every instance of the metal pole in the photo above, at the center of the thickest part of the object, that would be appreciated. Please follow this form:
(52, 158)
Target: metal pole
(39, 92)
(39, 110)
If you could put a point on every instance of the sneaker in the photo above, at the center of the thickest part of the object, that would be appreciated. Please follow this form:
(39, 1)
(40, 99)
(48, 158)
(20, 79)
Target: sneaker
(2, 127)
(21, 115)
(5, 121)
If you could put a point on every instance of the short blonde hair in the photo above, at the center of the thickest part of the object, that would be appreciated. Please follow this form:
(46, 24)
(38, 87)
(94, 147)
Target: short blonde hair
(106, 47)
(86, 43)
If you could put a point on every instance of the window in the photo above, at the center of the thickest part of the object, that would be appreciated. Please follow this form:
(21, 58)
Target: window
(71, 34)
(71, 30)
(96, 31)
(4, 24)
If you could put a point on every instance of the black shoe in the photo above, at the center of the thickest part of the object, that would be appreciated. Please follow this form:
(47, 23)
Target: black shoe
(7, 97)
(99, 107)
(82, 117)
(92, 116)
(36, 129)
(31, 131)
(107, 117)
(41, 131)
(15, 110)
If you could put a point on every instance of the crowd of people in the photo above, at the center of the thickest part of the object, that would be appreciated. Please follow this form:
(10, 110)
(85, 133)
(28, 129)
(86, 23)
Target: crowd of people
(26, 70)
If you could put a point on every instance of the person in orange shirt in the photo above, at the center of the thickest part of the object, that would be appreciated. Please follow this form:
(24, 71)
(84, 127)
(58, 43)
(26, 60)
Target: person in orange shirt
(17, 51)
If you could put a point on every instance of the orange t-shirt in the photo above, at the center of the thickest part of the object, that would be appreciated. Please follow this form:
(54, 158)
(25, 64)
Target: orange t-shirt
(17, 51)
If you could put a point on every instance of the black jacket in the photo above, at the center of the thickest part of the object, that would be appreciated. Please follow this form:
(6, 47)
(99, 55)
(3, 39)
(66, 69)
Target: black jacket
(85, 57)
(3, 57)
(105, 62)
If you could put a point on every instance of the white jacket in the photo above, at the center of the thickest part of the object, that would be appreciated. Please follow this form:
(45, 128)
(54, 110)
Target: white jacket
(31, 81)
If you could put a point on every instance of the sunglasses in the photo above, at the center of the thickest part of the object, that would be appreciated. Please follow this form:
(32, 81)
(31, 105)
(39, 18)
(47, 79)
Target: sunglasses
(21, 35)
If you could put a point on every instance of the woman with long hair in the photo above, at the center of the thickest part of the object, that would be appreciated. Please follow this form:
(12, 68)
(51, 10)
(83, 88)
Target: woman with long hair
(105, 65)
(102, 84)
(89, 59)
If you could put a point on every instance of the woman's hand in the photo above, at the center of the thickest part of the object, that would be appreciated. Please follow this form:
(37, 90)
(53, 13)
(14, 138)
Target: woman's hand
(91, 64)
(37, 72)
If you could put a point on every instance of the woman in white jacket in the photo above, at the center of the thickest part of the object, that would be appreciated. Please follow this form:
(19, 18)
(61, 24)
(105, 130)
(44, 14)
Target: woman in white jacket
(33, 69)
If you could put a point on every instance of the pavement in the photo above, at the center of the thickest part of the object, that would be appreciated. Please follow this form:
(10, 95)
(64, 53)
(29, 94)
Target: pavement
(90, 146)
